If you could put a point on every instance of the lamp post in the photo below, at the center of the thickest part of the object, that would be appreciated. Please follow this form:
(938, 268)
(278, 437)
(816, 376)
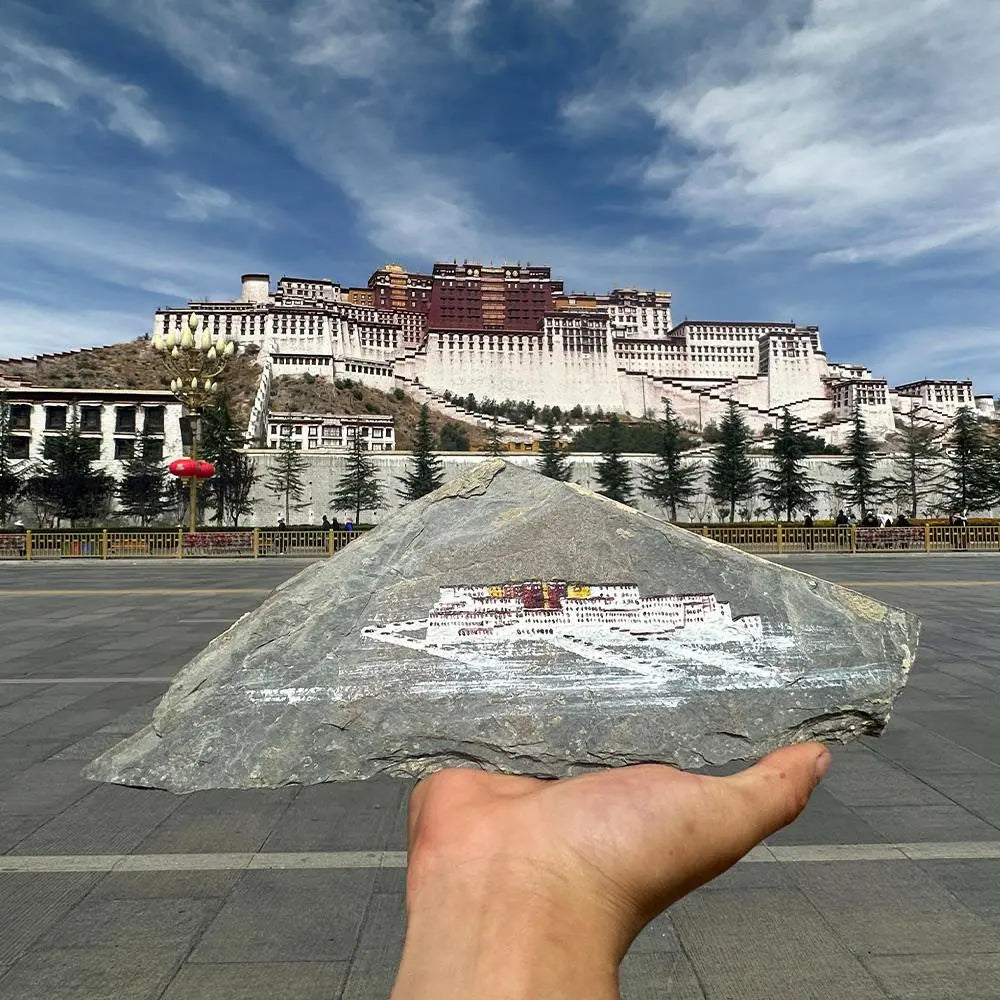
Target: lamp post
(194, 359)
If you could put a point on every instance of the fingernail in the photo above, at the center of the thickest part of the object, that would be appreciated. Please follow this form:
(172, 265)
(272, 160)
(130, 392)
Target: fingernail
(822, 764)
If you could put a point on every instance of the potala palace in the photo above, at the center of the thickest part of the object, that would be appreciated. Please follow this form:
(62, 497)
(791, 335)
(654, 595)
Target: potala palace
(512, 332)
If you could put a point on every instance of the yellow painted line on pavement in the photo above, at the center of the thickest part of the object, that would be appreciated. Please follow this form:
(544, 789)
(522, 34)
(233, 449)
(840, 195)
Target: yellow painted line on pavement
(135, 592)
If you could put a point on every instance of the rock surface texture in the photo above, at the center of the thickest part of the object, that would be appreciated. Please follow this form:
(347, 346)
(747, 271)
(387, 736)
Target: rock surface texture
(525, 625)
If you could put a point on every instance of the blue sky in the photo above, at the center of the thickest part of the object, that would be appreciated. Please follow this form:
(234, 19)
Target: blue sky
(833, 162)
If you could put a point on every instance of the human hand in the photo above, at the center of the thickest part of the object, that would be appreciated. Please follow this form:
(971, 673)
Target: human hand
(519, 887)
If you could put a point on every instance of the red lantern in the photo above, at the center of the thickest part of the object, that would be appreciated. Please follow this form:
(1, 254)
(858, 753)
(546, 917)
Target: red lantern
(183, 467)
(204, 470)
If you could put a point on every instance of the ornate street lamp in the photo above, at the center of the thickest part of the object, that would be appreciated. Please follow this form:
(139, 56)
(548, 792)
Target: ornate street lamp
(194, 359)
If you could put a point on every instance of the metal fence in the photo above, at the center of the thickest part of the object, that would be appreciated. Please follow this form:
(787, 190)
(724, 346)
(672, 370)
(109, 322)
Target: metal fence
(779, 538)
(251, 543)
(255, 543)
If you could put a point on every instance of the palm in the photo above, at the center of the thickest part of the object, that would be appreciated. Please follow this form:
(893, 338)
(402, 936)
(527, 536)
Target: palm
(629, 841)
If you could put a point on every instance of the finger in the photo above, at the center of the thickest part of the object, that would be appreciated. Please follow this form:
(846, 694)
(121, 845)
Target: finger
(775, 790)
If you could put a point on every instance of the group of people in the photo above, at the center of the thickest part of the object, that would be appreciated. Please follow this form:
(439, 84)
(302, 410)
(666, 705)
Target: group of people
(872, 520)
(326, 525)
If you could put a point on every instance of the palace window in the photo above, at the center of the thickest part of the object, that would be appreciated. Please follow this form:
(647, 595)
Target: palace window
(18, 447)
(125, 420)
(55, 418)
(153, 419)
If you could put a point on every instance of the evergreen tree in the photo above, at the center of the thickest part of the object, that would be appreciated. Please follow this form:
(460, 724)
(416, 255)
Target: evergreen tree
(243, 476)
(426, 473)
(669, 481)
(554, 462)
(454, 437)
(494, 437)
(143, 492)
(968, 482)
(863, 487)
(613, 474)
(228, 491)
(731, 476)
(285, 478)
(359, 488)
(65, 483)
(13, 475)
(787, 486)
(917, 469)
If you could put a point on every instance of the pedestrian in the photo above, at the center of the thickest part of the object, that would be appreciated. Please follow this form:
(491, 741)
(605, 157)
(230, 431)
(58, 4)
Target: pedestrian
(902, 521)
(326, 523)
(808, 524)
(842, 520)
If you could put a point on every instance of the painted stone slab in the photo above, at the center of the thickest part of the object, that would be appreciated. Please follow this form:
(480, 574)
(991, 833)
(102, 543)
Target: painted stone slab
(520, 624)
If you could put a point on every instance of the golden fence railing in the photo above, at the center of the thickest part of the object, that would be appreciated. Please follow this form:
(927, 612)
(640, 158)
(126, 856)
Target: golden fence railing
(249, 543)
(253, 543)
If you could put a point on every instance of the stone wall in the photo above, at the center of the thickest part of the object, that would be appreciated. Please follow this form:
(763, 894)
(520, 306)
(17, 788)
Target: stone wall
(326, 469)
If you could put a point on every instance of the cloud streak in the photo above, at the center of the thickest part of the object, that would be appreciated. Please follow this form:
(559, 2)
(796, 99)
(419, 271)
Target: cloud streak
(34, 73)
(860, 132)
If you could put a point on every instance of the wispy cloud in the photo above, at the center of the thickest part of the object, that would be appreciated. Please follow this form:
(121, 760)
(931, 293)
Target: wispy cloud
(855, 132)
(198, 202)
(944, 351)
(34, 73)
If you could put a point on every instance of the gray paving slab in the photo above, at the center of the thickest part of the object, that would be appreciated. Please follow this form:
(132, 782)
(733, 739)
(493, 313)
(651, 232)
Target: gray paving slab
(658, 976)
(13, 829)
(352, 816)
(767, 944)
(930, 977)
(901, 824)
(257, 980)
(28, 710)
(219, 821)
(44, 789)
(866, 779)
(658, 935)
(827, 820)
(940, 752)
(82, 975)
(289, 916)
(31, 904)
(380, 945)
(109, 820)
(166, 885)
(110, 949)
(979, 793)
(879, 907)
(87, 748)
(10, 693)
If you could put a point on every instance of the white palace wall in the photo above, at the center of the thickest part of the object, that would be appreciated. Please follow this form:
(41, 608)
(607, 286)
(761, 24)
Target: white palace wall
(325, 470)
(526, 368)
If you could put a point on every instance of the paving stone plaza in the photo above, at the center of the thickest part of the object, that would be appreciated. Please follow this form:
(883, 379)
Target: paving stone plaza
(887, 886)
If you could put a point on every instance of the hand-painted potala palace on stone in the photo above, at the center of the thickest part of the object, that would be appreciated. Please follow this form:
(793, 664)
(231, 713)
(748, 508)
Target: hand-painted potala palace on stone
(511, 332)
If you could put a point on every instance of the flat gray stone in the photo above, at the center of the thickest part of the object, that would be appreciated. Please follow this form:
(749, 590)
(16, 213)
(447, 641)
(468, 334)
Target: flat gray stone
(521, 624)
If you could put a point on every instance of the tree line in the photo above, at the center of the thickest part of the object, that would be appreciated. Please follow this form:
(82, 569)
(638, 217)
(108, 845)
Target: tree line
(67, 484)
(962, 465)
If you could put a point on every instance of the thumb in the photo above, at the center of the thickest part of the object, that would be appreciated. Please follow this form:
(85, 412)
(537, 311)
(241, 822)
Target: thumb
(775, 790)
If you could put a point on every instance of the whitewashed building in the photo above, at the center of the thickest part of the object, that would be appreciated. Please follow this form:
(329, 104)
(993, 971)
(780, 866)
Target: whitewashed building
(618, 351)
(336, 431)
(112, 419)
